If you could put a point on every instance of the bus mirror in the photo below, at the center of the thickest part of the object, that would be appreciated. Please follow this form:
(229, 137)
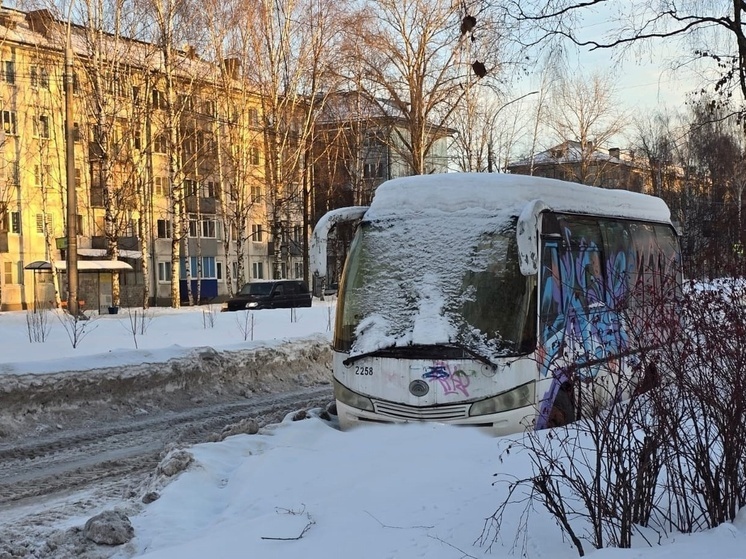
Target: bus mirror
(320, 236)
(527, 236)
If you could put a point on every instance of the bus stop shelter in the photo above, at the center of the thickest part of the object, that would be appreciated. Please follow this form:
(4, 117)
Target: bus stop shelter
(94, 281)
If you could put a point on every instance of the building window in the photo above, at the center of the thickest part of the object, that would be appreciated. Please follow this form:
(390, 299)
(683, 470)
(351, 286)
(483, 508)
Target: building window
(299, 270)
(160, 143)
(79, 224)
(190, 187)
(78, 178)
(7, 273)
(186, 102)
(219, 270)
(41, 126)
(188, 143)
(40, 223)
(205, 228)
(15, 222)
(159, 100)
(160, 185)
(208, 229)
(164, 272)
(208, 267)
(10, 124)
(210, 190)
(373, 171)
(114, 85)
(256, 193)
(39, 77)
(257, 233)
(164, 229)
(254, 155)
(209, 108)
(9, 71)
(253, 117)
(298, 234)
(206, 271)
(257, 270)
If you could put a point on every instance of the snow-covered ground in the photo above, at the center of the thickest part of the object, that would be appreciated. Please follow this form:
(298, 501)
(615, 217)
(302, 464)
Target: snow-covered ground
(305, 489)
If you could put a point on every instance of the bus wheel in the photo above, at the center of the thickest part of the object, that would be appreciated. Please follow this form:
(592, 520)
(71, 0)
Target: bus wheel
(563, 409)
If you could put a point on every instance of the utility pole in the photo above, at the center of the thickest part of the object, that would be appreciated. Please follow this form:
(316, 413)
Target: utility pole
(72, 204)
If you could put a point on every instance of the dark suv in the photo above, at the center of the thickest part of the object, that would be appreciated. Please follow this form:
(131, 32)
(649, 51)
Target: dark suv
(274, 294)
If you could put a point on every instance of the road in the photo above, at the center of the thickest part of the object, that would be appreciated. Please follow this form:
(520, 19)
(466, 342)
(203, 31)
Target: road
(76, 443)
(68, 460)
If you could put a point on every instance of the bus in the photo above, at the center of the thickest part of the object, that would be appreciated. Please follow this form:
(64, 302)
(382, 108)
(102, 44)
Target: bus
(501, 301)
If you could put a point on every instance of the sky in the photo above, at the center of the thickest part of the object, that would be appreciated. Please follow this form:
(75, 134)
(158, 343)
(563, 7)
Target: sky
(643, 72)
(304, 488)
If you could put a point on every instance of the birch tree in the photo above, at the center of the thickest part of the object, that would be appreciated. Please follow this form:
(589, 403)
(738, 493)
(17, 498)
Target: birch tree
(417, 60)
(292, 53)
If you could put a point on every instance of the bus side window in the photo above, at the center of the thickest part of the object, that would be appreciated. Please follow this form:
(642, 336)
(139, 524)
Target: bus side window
(646, 280)
(620, 262)
(669, 266)
(551, 304)
(583, 253)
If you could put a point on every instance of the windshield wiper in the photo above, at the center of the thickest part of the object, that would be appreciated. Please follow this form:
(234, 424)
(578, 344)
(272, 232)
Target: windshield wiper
(436, 351)
(473, 353)
(391, 351)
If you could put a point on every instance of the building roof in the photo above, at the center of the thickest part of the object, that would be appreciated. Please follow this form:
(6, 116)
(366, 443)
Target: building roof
(571, 152)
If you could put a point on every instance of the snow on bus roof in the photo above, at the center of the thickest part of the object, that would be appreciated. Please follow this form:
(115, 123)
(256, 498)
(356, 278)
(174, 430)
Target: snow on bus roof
(491, 192)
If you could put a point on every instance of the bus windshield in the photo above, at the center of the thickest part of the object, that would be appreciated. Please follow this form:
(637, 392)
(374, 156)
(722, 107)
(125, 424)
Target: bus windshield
(423, 281)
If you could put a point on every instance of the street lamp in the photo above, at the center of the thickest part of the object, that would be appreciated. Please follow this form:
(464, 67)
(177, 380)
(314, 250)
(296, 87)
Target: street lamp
(490, 151)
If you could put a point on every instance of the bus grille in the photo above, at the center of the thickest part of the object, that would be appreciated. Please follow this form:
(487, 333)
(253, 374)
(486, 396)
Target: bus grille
(439, 413)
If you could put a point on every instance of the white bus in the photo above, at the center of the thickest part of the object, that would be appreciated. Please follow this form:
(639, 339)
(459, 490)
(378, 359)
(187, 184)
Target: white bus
(501, 301)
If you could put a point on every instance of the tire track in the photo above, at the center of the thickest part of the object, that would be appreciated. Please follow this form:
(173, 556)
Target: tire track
(70, 461)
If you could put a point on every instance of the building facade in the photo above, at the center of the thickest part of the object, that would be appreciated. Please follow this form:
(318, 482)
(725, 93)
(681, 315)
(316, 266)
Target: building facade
(168, 164)
(361, 144)
(587, 164)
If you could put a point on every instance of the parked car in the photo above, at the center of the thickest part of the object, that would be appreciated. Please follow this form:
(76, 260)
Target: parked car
(274, 294)
(331, 289)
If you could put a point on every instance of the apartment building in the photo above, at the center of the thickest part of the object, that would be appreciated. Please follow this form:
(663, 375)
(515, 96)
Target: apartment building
(587, 164)
(168, 165)
(363, 142)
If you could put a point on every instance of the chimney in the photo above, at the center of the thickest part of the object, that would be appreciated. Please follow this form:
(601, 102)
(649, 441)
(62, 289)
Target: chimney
(614, 152)
(40, 21)
(7, 20)
(190, 52)
(232, 67)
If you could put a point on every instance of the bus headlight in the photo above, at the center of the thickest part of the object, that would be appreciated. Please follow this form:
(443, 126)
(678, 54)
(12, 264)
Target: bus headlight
(352, 399)
(517, 398)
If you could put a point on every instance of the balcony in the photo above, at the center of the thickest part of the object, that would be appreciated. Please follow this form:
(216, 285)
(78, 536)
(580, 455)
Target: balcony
(197, 204)
(125, 243)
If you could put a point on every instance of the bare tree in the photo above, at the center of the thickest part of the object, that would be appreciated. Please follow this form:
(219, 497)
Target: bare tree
(708, 32)
(170, 97)
(417, 60)
(585, 110)
(487, 130)
(106, 65)
(292, 46)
